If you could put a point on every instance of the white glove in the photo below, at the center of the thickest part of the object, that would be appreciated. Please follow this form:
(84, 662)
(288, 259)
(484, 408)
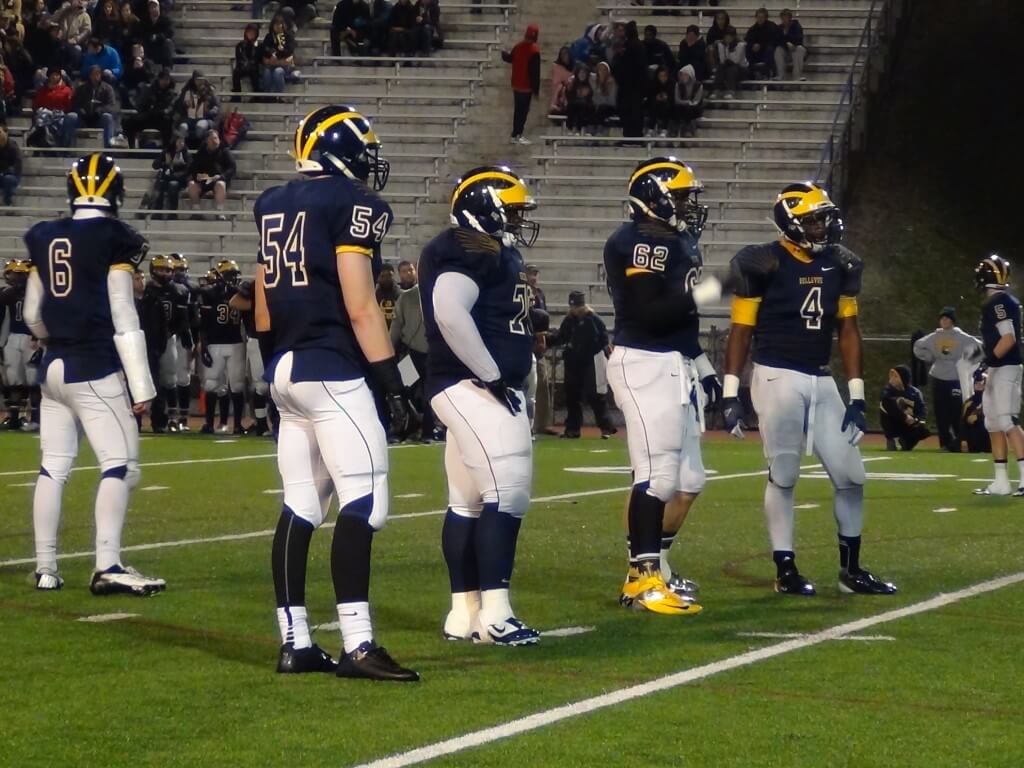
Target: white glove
(707, 291)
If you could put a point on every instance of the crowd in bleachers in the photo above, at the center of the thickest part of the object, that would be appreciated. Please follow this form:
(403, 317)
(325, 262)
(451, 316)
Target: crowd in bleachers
(612, 73)
(381, 27)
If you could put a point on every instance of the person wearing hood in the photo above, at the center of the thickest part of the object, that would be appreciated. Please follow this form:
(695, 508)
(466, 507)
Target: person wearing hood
(525, 61)
(197, 109)
(606, 94)
(579, 96)
(660, 103)
(247, 60)
(944, 347)
(561, 76)
(689, 99)
(902, 411)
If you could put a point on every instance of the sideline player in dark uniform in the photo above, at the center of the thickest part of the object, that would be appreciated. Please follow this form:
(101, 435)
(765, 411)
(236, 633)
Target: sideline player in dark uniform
(80, 300)
(476, 305)
(792, 295)
(324, 335)
(186, 342)
(172, 299)
(19, 348)
(242, 302)
(654, 266)
(1000, 335)
(223, 351)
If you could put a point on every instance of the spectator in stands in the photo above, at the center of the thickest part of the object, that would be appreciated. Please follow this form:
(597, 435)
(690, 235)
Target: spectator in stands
(433, 34)
(525, 61)
(95, 105)
(761, 40)
(543, 395)
(387, 293)
(155, 110)
(157, 34)
(606, 96)
(715, 35)
(561, 75)
(196, 109)
(790, 47)
(351, 25)
(247, 60)
(693, 51)
(630, 70)
(902, 411)
(579, 96)
(689, 100)
(10, 166)
(405, 29)
(107, 24)
(732, 68)
(380, 15)
(210, 172)
(101, 55)
(406, 275)
(659, 54)
(131, 24)
(278, 55)
(37, 30)
(55, 95)
(660, 106)
(75, 27)
(54, 53)
(137, 76)
(172, 169)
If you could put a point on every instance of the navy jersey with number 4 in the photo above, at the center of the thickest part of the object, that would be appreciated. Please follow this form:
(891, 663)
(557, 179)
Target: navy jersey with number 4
(303, 225)
(998, 308)
(221, 323)
(73, 258)
(638, 251)
(501, 312)
(793, 302)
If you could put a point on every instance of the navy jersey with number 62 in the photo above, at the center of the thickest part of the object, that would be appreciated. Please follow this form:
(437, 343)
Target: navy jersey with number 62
(73, 258)
(303, 225)
(501, 312)
(999, 308)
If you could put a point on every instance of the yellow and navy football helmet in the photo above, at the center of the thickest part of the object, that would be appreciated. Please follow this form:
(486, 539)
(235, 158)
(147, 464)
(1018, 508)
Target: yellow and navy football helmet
(161, 268)
(666, 189)
(16, 272)
(339, 140)
(992, 272)
(228, 271)
(213, 277)
(95, 181)
(494, 200)
(179, 265)
(804, 202)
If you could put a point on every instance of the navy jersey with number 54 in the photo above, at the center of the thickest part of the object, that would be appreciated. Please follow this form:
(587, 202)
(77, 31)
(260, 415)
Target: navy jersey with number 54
(1001, 307)
(303, 225)
(501, 312)
(73, 258)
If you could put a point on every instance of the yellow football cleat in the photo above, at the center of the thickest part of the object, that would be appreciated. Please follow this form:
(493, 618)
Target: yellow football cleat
(650, 592)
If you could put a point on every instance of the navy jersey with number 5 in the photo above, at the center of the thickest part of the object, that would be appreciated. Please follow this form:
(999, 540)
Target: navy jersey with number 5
(793, 301)
(501, 312)
(641, 251)
(303, 225)
(73, 258)
(1001, 307)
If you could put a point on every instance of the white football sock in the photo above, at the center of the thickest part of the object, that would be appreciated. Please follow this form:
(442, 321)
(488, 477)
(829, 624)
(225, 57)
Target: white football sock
(111, 506)
(848, 508)
(666, 567)
(778, 514)
(356, 625)
(1020, 473)
(464, 615)
(1002, 478)
(294, 626)
(494, 607)
(46, 518)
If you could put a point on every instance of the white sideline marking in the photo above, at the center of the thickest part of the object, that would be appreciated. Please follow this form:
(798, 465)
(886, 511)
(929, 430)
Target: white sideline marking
(274, 492)
(22, 485)
(567, 631)
(788, 635)
(981, 461)
(102, 618)
(408, 496)
(217, 460)
(944, 509)
(155, 488)
(223, 442)
(585, 706)
(806, 506)
(329, 626)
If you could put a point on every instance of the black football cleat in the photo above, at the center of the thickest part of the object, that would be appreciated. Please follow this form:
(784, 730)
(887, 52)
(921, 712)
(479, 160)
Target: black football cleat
(371, 662)
(793, 583)
(864, 583)
(293, 661)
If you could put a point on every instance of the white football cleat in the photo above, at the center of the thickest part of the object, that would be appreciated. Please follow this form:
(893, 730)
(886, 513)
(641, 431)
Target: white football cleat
(510, 632)
(993, 489)
(48, 581)
(121, 580)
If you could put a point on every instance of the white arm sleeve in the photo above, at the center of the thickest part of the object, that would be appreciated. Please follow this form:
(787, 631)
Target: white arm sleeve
(33, 309)
(128, 338)
(1005, 327)
(454, 297)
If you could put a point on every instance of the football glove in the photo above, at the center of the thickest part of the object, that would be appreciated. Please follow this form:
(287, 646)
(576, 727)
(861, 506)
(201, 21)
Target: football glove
(712, 390)
(36, 359)
(206, 357)
(732, 412)
(503, 393)
(398, 413)
(854, 417)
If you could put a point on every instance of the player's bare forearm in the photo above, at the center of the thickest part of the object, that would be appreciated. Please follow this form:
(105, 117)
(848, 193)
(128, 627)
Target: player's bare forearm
(261, 314)
(737, 348)
(360, 298)
(240, 303)
(1003, 346)
(851, 347)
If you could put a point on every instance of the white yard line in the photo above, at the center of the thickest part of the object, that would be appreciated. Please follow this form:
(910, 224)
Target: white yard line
(790, 635)
(567, 631)
(102, 618)
(668, 682)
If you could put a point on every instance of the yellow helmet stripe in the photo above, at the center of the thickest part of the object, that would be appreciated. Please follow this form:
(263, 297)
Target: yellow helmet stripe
(323, 126)
(998, 269)
(107, 181)
(655, 167)
(78, 181)
(498, 175)
(809, 201)
(94, 161)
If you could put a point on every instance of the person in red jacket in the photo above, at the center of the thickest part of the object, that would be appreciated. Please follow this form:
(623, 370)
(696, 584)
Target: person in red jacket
(56, 96)
(525, 61)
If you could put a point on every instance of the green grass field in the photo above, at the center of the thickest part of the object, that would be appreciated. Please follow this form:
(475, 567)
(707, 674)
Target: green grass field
(189, 679)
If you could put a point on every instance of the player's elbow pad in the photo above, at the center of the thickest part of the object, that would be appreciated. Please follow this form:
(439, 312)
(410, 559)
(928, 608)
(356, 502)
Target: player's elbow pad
(131, 348)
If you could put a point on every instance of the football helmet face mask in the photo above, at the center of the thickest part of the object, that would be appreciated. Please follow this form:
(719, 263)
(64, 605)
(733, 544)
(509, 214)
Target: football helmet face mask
(179, 265)
(229, 272)
(16, 272)
(666, 189)
(213, 278)
(992, 272)
(95, 181)
(807, 217)
(337, 140)
(161, 269)
(494, 200)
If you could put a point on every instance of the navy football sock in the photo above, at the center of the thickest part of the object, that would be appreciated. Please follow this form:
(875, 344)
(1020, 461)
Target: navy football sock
(238, 406)
(211, 409)
(458, 542)
(496, 536)
(350, 552)
(849, 553)
(785, 561)
(224, 405)
(288, 557)
(184, 396)
(646, 515)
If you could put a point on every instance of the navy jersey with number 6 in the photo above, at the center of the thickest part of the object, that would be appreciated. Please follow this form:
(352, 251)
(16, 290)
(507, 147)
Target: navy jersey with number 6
(73, 258)
(501, 312)
(793, 301)
(1001, 307)
(303, 225)
(641, 251)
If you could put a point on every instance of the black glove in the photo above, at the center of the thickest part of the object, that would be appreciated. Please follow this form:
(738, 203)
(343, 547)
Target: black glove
(503, 393)
(732, 412)
(855, 416)
(389, 383)
(36, 359)
(712, 389)
(186, 340)
(206, 357)
(398, 414)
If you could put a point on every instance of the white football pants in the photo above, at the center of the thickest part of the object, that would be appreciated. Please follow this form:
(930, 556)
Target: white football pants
(227, 374)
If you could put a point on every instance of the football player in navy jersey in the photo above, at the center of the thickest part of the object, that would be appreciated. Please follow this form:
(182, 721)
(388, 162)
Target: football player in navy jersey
(242, 301)
(223, 350)
(172, 299)
(186, 341)
(80, 303)
(791, 296)
(1000, 335)
(18, 347)
(323, 335)
(657, 369)
(476, 305)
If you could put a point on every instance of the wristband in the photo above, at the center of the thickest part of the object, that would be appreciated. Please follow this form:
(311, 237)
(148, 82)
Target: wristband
(703, 366)
(731, 385)
(387, 376)
(856, 387)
